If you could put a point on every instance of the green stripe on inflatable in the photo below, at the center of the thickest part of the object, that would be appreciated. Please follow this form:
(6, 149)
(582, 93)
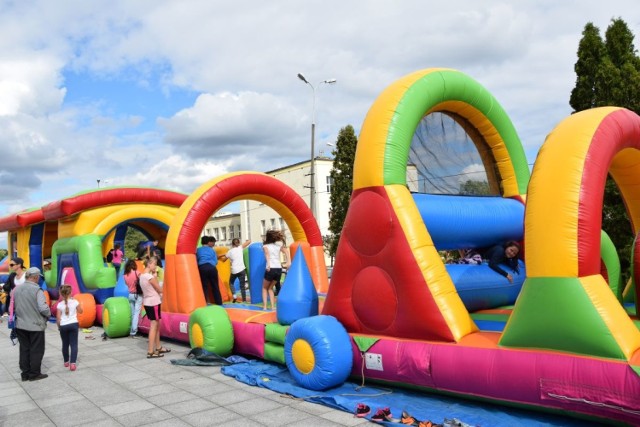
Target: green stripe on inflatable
(275, 333)
(430, 90)
(492, 317)
(274, 353)
(95, 274)
(611, 260)
(556, 313)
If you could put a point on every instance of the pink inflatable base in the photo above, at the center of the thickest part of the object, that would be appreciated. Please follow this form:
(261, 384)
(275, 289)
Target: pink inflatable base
(603, 388)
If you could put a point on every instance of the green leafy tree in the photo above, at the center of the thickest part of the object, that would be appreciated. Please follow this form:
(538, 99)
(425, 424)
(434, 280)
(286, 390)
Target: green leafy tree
(475, 188)
(341, 184)
(131, 240)
(3, 253)
(608, 73)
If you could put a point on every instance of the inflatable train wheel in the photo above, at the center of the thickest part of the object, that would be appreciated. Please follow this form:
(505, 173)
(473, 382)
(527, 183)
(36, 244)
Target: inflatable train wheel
(116, 317)
(318, 352)
(210, 328)
(88, 316)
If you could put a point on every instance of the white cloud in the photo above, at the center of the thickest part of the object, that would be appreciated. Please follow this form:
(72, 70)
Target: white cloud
(250, 112)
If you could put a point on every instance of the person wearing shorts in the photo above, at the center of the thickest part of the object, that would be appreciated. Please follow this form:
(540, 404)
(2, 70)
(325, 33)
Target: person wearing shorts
(152, 299)
(272, 251)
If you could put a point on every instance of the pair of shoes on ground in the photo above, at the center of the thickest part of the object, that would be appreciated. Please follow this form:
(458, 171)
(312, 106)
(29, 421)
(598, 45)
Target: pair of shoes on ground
(159, 352)
(410, 420)
(382, 414)
(71, 366)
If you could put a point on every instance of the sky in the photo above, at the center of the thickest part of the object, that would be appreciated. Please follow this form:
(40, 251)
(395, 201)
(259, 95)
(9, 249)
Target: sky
(171, 94)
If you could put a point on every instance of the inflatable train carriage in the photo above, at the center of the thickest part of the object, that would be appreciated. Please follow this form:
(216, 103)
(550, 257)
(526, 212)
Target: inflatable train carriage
(568, 346)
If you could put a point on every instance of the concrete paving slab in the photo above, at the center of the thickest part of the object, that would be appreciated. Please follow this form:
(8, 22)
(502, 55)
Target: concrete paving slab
(116, 385)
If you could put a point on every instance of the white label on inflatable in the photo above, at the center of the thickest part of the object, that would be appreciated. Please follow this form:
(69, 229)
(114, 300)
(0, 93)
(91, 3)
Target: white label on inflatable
(373, 361)
(183, 327)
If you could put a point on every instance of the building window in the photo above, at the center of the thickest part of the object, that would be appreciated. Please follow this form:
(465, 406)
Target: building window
(282, 225)
(239, 232)
(215, 233)
(208, 232)
(263, 227)
(329, 184)
(224, 233)
(232, 234)
(273, 223)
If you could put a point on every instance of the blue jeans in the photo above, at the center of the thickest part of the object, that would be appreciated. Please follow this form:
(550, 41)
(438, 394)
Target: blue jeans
(69, 335)
(135, 302)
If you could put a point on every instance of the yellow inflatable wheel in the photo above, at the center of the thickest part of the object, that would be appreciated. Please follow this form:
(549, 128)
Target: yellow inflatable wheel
(210, 328)
(116, 317)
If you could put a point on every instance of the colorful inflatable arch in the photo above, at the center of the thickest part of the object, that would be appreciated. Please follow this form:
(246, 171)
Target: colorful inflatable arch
(385, 244)
(77, 231)
(564, 287)
(183, 292)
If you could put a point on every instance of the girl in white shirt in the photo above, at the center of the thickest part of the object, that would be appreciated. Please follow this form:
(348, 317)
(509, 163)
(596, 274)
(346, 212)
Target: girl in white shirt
(273, 271)
(67, 320)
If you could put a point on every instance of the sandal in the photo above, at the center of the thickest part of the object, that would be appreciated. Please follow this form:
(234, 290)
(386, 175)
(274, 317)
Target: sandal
(154, 355)
(163, 350)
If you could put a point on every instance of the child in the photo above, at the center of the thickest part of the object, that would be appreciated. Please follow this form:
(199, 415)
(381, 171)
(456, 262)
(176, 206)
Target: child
(152, 299)
(131, 279)
(67, 320)
(273, 271)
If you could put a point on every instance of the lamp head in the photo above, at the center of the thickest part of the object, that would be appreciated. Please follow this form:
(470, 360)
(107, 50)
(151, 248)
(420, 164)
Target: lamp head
(330, 81)
(301, 77)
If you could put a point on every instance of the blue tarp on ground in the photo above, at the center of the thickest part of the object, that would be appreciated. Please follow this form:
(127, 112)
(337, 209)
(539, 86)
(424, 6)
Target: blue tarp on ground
(421, 405)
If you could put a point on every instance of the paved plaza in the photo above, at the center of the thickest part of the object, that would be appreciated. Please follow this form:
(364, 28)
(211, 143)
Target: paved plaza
(116, 385)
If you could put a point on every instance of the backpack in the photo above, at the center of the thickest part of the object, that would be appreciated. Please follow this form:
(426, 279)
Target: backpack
(110, 256)
(138, 287)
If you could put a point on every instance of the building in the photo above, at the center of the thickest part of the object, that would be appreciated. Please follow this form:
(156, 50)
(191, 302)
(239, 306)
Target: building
(224, 226)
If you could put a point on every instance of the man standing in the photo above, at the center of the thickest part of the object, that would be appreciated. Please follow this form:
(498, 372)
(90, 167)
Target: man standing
(207, 262)
(31, 315)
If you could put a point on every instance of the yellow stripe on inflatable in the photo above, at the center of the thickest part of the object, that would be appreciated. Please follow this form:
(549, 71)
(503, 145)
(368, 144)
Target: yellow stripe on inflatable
(429, 262)
(23, 235)
(101, 220)
(369, 160)
(493, 139)
(617, 320)
(544, 225)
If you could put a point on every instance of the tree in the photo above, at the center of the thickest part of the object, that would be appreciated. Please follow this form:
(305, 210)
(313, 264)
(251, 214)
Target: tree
(608, 73)
(131, 240)
(474, 188)
(341, 184)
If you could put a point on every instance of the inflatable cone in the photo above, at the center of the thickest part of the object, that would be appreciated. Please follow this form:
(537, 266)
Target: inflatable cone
(298, 298)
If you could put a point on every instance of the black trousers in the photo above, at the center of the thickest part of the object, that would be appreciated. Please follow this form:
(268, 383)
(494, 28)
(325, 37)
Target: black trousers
(69, 336)
(242, 277)
(31, 352)
(209, 279)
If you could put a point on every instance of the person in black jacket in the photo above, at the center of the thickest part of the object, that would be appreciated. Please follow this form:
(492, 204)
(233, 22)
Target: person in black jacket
(17, 277)
(504, 254)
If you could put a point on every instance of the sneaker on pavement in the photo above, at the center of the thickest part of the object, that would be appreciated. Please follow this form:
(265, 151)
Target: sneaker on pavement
(382, 414)
(73, 367)
(362, 410)
(66, 364)
(38, 377)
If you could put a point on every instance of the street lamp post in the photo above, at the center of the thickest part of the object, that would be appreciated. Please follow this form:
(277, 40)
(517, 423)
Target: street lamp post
(312, 186)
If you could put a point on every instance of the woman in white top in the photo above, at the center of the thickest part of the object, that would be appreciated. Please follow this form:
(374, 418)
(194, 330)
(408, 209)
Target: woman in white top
(152, 299)
(67, 320)
(273, 271)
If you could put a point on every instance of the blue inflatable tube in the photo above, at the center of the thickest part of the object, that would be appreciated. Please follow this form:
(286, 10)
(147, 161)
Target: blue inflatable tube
(481, 288)
(460, 222)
